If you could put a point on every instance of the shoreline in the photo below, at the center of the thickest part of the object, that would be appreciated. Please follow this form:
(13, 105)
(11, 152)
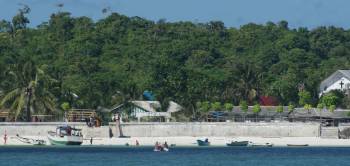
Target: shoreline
(191, 141)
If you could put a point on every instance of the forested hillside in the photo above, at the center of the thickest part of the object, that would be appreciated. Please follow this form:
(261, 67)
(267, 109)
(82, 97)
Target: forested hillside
(102, 63)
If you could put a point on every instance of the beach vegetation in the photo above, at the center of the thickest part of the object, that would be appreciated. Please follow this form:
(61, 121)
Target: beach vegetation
(308, 107)
(332, 98)
(256, 110)
(304, 98)
(101, 63)
(244, 108)
(290, 107)
(332, 108)
(228, 106)
(279, 110)
(215, 106)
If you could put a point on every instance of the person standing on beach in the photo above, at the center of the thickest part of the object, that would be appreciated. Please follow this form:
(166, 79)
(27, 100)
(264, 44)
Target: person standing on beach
(5, 138)
(91, 141)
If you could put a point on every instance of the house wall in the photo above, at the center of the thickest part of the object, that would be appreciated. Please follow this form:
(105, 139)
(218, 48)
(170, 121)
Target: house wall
(336, 85)
(136, 110)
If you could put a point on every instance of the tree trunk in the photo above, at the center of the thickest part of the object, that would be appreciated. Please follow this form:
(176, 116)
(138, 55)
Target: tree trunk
(29, 96)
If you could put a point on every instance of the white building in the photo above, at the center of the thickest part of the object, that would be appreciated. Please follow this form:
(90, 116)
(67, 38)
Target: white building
(338, 80)
(139, 109)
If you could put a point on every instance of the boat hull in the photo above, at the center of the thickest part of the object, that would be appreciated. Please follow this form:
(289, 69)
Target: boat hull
(262, 145)
(238, 143)
(66, 140)
(202, 143)
(297, 145)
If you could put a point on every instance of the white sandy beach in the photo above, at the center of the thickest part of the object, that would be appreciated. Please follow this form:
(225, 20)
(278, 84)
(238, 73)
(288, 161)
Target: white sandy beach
(191, 141)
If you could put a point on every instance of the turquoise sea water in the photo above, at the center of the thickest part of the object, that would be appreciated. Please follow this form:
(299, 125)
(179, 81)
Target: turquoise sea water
(178, 156)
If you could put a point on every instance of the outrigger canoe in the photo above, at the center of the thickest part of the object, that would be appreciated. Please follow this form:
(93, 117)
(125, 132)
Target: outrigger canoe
(30, 140)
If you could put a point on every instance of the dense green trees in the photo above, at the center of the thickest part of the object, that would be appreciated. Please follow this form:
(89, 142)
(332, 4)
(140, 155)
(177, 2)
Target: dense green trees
(117, 58)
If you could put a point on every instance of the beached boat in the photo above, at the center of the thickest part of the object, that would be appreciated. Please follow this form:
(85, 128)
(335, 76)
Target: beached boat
(30, 140)
(238, 143)
(297, 145)
(203, 143)
(65, 135)
(261, 145)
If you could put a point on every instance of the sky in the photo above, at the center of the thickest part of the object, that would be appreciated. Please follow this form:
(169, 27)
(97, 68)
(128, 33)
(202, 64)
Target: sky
(234, 13)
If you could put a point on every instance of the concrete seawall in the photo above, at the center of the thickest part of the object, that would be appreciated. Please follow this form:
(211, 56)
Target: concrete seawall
(173, 129)
(219, 129)
(41, 129)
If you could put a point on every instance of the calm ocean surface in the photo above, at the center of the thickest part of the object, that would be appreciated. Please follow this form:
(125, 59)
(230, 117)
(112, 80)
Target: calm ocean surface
(179, 156)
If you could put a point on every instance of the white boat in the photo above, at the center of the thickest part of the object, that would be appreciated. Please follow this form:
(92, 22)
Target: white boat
(65, 135)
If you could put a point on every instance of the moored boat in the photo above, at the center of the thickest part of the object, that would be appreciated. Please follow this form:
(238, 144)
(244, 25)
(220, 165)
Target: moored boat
(296, 145)
(65, 135)
(238, 143)
(203, 143)
(261, 144)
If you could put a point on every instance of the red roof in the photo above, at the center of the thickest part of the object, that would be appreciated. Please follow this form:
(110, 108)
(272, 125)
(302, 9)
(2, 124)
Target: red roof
(268, 101)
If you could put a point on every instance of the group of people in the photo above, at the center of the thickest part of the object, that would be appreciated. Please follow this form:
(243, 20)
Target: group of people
(92, 121)
(159, 147)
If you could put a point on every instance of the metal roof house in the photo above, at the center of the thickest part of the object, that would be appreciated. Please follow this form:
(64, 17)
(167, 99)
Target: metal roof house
(338, 80)
(138, 109)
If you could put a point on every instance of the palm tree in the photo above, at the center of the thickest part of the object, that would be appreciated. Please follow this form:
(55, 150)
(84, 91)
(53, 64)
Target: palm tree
(29, 91)
(247, 86)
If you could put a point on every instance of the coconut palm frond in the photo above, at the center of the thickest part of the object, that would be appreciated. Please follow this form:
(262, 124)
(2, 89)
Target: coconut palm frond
(33, 84)
(50, 104)
(20, 106)
(12, 108)
(40, 71)
(10, 96)
(14, 105)
(43, 102)
(32, 90)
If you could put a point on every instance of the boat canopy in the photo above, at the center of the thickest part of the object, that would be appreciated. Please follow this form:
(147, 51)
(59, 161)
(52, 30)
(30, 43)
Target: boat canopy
(68, 127)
